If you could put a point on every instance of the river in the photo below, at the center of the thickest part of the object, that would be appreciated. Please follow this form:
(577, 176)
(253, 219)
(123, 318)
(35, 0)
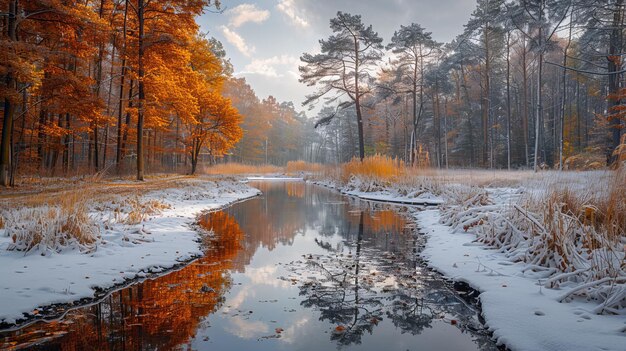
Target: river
(299, 268)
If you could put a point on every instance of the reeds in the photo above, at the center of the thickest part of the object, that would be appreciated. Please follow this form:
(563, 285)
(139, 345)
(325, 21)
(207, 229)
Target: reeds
(378, 167)
(233, 168)
(299, 167)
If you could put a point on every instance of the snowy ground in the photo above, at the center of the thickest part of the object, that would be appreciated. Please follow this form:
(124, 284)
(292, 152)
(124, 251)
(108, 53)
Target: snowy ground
(124, 252)
(522, 314)
(281, 178)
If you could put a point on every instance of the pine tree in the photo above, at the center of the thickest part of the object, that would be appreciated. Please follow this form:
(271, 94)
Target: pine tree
(344, 66)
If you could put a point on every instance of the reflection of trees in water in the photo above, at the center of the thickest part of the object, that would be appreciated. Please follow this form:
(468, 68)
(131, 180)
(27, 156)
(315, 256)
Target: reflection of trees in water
(161, 313)
(275, 219)
(344, 302)
(379, 277)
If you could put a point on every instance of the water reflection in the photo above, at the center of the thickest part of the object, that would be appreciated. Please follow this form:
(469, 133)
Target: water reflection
(299, 268)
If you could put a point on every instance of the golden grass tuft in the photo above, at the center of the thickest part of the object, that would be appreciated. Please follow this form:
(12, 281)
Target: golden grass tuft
(234, 168)
(379, 167)
(53, 227)
(295, 167)
(133, 210)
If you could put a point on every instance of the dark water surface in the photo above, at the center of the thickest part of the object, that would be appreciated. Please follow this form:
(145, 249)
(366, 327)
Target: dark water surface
(300, 268)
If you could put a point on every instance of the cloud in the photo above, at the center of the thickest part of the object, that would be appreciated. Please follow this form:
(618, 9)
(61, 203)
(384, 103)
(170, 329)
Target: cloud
(288, 7)
(245, 13)
(246, 329)
(237, 41)
(273, 66)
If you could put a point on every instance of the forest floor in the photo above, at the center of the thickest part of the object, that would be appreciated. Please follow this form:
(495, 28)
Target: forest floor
(550, 274)
(121, 230)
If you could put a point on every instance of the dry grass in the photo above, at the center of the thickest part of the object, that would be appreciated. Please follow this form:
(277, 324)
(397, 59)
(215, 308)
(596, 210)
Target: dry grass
(133, 210)
(53, 227)
(239, 168)
(568, 228)
(296, 167)
(378, 167)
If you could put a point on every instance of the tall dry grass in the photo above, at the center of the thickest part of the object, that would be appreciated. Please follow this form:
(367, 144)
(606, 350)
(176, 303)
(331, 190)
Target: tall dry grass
(298, 167)
(379, 167)
(134, 210)
(233, 168)
(47, 228)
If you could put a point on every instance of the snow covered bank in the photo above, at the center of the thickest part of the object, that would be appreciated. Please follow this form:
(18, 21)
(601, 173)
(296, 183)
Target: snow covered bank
(373, 191)
(522, 313)
(281, 178)
(124, 251)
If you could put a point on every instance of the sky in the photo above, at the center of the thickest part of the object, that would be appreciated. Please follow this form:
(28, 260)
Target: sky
(265, 38)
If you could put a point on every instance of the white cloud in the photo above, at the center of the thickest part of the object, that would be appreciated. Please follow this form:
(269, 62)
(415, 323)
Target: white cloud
(237, 41)
(274, 66)
(289, 8)
(246, 329)
(245, 13)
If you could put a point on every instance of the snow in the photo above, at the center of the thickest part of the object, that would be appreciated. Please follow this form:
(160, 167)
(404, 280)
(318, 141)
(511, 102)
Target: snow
(522, 314)
(125, 252)
(384, 194)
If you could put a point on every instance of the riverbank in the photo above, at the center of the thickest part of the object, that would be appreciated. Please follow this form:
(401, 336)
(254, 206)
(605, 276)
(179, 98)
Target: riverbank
(518, 309)
(550, 271)
(123, 231)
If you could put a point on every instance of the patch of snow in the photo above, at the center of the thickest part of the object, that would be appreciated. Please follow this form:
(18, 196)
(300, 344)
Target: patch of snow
(386, 194)
(276, 178)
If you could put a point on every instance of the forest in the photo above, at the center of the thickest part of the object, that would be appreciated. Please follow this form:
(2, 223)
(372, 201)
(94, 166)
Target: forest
(135, 86)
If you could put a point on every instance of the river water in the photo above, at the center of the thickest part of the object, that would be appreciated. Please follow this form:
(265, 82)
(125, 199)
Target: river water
(299, 268)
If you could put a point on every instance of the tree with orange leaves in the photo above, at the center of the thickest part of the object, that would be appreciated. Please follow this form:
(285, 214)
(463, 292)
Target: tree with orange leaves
(40, 41)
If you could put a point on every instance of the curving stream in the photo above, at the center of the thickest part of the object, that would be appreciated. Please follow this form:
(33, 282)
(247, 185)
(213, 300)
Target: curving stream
(299, 268)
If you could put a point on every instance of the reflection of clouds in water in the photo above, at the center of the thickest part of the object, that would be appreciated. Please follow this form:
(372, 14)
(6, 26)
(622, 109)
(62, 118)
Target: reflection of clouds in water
(238, 299)
(289, 334)
(266, 275)
(246, 329)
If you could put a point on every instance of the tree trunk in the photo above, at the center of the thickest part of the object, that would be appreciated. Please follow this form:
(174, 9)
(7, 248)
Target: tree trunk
(142, 96)
(564, 96)
(5, 153)
(9, 107)
(508, 101)
(357, 101)
(486, 97)
(539, 89)
(614, 66)
(525, 116)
